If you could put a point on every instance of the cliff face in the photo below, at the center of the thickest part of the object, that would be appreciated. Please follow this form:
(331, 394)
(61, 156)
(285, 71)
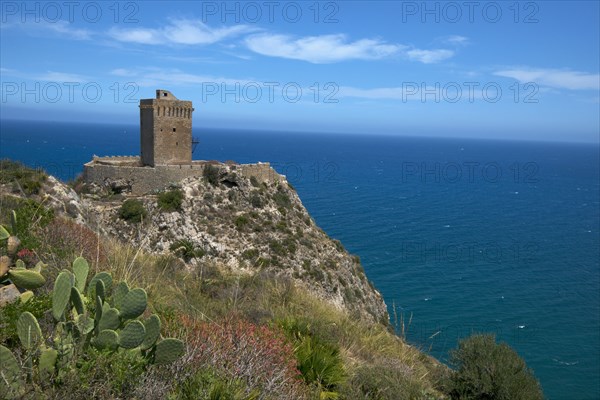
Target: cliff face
(245, 226)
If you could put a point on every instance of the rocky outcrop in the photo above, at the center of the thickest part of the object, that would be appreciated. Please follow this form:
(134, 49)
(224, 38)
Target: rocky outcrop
(240, 224)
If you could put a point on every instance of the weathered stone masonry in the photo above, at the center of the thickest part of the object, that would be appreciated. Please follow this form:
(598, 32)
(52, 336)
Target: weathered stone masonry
(166, 152)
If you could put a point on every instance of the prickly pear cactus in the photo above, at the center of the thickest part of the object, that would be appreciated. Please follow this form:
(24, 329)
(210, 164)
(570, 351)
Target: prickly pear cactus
(105, 277)
(152, 326)
(10, 373)
(107, 339)
(61, 294)
(4, 235)
(168, 350)
(134, 303)
(119, 294)
(132, 335)
(29, 331)
(81, 269)
(26, 279)
(109, 320)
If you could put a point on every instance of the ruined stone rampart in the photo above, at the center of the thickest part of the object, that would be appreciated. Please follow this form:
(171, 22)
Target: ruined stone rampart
(127, 173)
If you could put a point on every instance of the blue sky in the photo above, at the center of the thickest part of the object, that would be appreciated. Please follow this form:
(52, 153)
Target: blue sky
(513, 70)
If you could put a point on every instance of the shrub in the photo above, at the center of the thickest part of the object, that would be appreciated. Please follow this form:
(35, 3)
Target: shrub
(171, 200)
(488, 370)
(187, 249)
(258, 356)
(241, 221)
(250, 254)
(31, 218)
(65, 238)
(211, 174)
(132, 210)
(27, 179)
(385, 379)
(255, 199)
(319, 361)
(206, 383)
(9, 314)
(282, 199)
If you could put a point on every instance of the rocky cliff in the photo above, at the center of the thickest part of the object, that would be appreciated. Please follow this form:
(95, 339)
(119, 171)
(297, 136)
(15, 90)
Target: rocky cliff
(236, 223)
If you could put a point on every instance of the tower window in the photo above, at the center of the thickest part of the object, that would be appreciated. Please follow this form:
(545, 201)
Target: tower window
(165, 94)
(173, 129)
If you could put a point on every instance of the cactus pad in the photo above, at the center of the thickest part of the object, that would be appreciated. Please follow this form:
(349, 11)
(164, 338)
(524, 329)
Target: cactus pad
(29, 330)
(98, 310)
(134, 303)
(4, 233)
(120, 292)
(104, 277)
(107, 339)
(109, 319)
(26, 279)
(84, 323)
(61, 294)
(77, 300)
(81, 270)
(132, 335)
(9, 371)
(152, 326)
(168, 350)
(100, 289)
(26, 296)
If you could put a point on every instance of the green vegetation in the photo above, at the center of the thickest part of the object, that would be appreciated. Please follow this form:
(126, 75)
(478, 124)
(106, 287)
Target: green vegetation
(133, 210)
(241, 221)
(489, 370)
(171, 200)
(88, 319)
(24, 179)
(187, 249)
(211, 173)
(282, 199)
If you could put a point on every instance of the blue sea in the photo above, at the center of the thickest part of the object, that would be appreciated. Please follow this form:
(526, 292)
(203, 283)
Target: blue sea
(459, 235)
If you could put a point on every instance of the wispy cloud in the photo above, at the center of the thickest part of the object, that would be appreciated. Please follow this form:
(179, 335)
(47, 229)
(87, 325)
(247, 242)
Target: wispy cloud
(327, 49)
(429, 56)
(456, 40)
(179, 31)
(320, 49)
(155, 77)
(555, 78)
(59, 28)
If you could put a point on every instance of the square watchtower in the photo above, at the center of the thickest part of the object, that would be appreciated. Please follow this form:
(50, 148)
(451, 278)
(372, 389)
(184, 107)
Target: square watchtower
(165, 130)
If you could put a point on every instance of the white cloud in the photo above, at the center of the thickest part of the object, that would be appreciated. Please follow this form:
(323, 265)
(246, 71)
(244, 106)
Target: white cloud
(59, 28)
(556, 78)
(155, 77)
(429, 56)
(456, 40)
(179, 31)
(320, 49)
(65, 28)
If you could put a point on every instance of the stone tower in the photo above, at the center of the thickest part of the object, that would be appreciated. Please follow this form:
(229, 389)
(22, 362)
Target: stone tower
(165, 130)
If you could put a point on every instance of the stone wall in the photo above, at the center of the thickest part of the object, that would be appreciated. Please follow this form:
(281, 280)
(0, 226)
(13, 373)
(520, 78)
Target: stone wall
(127, 173)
